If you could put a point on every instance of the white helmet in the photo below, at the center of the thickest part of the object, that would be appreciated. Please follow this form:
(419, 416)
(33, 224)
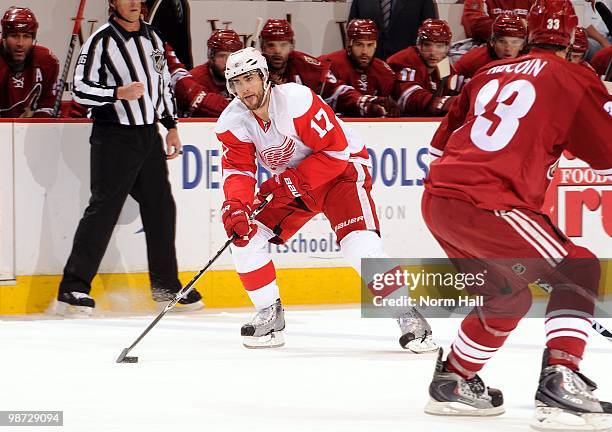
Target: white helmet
(243, 61)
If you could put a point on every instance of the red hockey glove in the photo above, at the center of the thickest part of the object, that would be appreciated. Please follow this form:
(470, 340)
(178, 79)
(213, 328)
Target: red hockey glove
(391, 107)
(371, 106)
(440, 105)
(207, 105)
(287, 187)
(235, 216)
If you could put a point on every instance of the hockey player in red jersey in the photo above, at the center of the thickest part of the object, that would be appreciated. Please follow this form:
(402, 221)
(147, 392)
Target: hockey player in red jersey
(289, 65)
(357, 66)
(508, 39)
(201, 92)
(497, 149)
(579, 48)
(478, 15)
(28, 72)
(602, 63)
(422, 90)
(317, 165)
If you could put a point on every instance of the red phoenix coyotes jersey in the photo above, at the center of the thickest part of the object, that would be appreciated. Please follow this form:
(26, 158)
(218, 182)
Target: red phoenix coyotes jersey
(30, 92)
(501, 140)
(477, 20)
(203, 76)
(377, 80)
(416, 87)
(303, 133)
(304, 69)
(474, 59)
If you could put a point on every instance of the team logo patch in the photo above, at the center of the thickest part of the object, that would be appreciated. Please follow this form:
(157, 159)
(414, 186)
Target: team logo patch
(519, 268)
(158, 61)
(278, 156)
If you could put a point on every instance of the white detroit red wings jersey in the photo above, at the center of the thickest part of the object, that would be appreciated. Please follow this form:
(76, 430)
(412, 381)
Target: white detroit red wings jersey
(303, 133)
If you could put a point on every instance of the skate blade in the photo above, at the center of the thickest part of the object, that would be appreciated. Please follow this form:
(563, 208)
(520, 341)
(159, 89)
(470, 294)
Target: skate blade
(272, 340)
(558, 420)
(180, 308)
(69, 311)
(434, 407)
(419, 346)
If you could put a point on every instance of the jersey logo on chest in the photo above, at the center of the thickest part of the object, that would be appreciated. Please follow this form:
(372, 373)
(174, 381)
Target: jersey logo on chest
(278, 156)
(18, 81)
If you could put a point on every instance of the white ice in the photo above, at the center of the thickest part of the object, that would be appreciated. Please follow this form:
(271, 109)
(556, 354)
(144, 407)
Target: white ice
(337, 372)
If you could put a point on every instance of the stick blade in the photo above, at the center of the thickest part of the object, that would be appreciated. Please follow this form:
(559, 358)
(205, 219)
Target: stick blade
(122, 356)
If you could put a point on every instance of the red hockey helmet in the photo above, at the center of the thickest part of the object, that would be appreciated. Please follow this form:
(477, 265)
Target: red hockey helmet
(362, 29)
(434, 30)
(277, 30)
(223, 40)
(581, 43)
(19, 20)
(509, 25)
(552, 22)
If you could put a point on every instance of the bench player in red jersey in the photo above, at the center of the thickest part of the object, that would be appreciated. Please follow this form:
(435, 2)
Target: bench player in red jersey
(201, 92)
(422, 90)
(289, 65)
(478, 15)
(508, 38)
(580, 46)
(497, 149)
(357, 66)
(318, 165)
(28, 72)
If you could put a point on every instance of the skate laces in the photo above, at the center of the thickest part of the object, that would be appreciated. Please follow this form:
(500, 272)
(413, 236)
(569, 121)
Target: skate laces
(474, 387)
(264, 316)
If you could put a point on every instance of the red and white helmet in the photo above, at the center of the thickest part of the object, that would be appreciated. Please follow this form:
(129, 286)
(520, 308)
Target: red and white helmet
(552, 22)
(19, 20)
(246, 60)
(223, 40)
(434, 30)
(509, 25)
(277, 30)
(581, 43)
(362, 29)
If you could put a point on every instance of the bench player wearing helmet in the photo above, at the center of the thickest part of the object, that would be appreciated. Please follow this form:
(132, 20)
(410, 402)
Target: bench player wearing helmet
(201, 92)
(579, 48)
(423, 91)
(497, 149)
(479, 15)
(357, 66)
(318, 165)
(28, 72)
(289, 65)
(508, 39)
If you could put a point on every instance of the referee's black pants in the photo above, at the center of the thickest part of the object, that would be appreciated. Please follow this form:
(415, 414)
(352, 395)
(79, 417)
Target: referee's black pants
(125, 160)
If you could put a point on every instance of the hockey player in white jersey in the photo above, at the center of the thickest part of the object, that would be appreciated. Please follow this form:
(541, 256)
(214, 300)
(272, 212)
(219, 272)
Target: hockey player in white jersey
(318, 165)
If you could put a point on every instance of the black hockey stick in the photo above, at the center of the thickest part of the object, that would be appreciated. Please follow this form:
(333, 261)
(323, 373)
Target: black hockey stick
(68, 62)
(123, 357)
(597, 326)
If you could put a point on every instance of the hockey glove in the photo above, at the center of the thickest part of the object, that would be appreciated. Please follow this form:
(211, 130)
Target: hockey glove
(288, 187)
(371, 106)
(235, 216)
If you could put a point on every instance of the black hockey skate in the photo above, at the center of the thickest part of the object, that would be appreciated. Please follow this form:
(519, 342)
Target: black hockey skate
(416, 333)
(74, 304)
(565, 402)
(452, 395)
(191, 302)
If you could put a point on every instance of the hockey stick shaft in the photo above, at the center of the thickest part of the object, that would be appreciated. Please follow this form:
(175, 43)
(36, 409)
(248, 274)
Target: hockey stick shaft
(187, 288)
(597, 326)
(68, 62)
(153, 11)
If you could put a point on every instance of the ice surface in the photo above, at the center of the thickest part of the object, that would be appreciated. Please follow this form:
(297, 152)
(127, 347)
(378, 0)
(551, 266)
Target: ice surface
(337, 372)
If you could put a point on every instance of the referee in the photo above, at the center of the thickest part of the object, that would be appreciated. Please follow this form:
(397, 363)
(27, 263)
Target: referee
(121, 74)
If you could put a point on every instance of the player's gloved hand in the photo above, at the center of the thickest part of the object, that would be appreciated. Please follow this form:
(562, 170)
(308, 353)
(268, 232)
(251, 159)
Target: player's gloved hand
(372, 106)
(391, 107)
(287, 187)
(235, 217)
(440, 104)
(207, 105)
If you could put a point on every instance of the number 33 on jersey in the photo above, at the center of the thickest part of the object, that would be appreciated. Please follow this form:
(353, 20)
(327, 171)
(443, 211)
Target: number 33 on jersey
(510, 125)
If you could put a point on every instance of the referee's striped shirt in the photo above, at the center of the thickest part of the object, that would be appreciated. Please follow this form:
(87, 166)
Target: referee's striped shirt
(113, 57)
